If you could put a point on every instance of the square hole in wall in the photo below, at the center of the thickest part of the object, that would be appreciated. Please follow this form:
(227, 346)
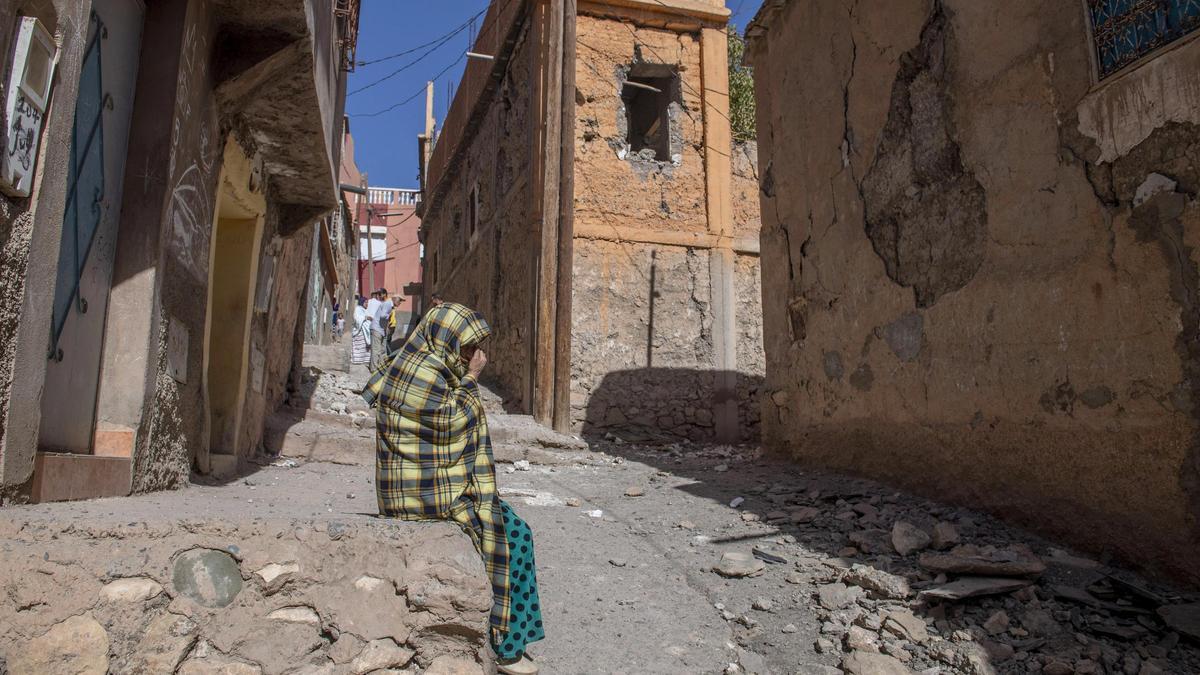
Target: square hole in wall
(647, 94)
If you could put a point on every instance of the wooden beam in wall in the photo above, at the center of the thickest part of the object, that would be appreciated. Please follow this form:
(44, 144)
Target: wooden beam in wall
(566, 225)
(549, 15)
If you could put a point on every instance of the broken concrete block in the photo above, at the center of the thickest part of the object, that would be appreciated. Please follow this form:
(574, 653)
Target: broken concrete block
(879, 582)
(954, 563)
(275, 576)
(908, 538)
(76, 645)
(298, 614)
(970, 587)
(380, 654)
(738, 564)
(134, 589)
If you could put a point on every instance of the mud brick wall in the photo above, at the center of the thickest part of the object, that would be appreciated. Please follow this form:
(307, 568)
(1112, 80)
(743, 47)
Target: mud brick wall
(493, 266)
(643, 347)
(979, 273)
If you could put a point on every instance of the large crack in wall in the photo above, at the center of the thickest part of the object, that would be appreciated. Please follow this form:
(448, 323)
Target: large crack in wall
(925, 212)
(1160, 179)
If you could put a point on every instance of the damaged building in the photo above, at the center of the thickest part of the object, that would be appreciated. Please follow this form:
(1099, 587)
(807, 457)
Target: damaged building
(167, 167)
(614, 247)
(979, 273)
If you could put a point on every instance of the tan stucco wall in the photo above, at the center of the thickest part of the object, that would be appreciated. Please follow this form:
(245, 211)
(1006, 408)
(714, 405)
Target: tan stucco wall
(647, 316)
(959, 293)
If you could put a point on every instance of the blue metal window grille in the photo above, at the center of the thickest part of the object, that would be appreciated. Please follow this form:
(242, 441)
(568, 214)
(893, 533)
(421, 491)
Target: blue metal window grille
(1126, 30)
(85, 186)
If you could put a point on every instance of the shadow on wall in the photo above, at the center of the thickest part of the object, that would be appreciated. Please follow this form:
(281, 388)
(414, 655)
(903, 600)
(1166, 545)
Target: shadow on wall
(667, 404)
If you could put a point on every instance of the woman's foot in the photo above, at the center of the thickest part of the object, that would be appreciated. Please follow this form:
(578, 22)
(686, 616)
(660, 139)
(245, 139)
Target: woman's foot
(519, 666)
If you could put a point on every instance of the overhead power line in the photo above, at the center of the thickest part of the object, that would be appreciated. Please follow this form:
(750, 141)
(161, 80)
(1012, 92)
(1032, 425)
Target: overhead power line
(414, 95)
(406, 52)
(436, 45)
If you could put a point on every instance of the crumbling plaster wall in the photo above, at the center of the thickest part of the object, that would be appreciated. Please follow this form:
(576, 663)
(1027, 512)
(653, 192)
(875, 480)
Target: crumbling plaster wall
(963, 293)
(493, 269)
(176, 410)
(612, 185)
(643, 349)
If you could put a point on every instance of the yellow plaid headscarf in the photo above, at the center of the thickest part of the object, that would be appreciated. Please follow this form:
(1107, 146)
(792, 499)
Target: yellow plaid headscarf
(433, 458)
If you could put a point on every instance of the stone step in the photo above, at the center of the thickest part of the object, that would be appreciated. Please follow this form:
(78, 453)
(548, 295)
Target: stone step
(64, 476)
(314, 436)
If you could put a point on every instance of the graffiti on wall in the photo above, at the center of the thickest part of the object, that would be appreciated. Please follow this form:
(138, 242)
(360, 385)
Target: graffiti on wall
(27, 120)
(190, 210)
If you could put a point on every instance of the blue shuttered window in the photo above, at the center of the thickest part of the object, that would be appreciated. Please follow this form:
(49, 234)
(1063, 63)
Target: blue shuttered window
(85, 186)
(1126, 30)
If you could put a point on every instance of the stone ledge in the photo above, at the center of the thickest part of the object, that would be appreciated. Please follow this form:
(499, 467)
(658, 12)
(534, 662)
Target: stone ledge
(265, 597)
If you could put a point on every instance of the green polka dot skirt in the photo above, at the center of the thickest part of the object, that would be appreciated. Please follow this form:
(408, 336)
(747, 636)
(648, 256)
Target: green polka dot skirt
(525, 609)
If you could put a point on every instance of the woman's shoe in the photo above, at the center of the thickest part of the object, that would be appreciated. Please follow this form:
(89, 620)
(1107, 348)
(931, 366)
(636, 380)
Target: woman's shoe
(521, 666)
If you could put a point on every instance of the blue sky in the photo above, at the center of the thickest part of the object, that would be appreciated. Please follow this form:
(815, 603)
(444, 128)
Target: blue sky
(386, 144)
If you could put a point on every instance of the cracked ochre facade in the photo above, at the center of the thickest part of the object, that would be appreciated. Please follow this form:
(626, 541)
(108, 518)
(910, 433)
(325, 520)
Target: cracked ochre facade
(979, 264)
(661, 271)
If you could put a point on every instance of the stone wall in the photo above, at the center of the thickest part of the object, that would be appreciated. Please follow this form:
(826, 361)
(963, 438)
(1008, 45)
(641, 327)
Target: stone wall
(493, 266)
(204, 597)
(978, 267)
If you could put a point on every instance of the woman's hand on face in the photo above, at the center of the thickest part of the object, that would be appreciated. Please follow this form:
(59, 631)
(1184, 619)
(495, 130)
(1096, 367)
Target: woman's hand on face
(478, 361)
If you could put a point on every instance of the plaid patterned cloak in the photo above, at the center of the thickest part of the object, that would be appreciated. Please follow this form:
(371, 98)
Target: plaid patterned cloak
(433, 457)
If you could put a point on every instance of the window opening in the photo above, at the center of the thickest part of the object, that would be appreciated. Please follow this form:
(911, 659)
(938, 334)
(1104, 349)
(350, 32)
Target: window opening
(647, 97)
(1124, 31)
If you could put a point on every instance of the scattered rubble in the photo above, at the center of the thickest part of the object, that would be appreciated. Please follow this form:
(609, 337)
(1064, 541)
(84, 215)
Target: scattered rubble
(739, 564)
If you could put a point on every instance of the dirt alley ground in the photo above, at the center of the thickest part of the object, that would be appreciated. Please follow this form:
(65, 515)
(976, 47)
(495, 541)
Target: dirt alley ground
(826, 574)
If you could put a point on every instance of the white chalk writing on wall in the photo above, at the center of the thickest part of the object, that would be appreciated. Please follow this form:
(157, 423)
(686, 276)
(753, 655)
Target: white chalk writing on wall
(190, 210)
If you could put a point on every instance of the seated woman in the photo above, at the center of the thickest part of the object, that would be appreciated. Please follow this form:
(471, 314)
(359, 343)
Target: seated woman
(434, 462)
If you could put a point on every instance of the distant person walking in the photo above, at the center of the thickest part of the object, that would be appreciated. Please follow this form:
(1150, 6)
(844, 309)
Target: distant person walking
(360, 334)
(393, 324)
(433, 461)
(379, 328)
(372, 309)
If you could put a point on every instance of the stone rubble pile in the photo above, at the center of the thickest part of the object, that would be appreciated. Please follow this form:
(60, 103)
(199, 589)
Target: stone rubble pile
(903, 585)
(331, 391)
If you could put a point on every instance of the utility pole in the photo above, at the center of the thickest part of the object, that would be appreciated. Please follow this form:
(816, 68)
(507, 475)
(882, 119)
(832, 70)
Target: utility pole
(370, 247)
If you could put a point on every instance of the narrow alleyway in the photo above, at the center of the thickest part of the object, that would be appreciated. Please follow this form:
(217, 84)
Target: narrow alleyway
(672, 559)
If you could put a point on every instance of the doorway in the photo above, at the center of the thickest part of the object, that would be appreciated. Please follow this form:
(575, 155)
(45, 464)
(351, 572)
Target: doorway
(103, 108)
(233, 273)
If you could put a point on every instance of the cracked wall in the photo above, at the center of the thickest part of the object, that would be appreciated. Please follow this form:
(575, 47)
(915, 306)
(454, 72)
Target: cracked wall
(974, 284)
(926, 214)
(644, 362)
(644, 349)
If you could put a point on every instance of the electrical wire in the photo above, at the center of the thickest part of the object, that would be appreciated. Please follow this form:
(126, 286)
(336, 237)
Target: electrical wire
(471, 23)
(406, 52)
(412, 63)
(415, 94)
